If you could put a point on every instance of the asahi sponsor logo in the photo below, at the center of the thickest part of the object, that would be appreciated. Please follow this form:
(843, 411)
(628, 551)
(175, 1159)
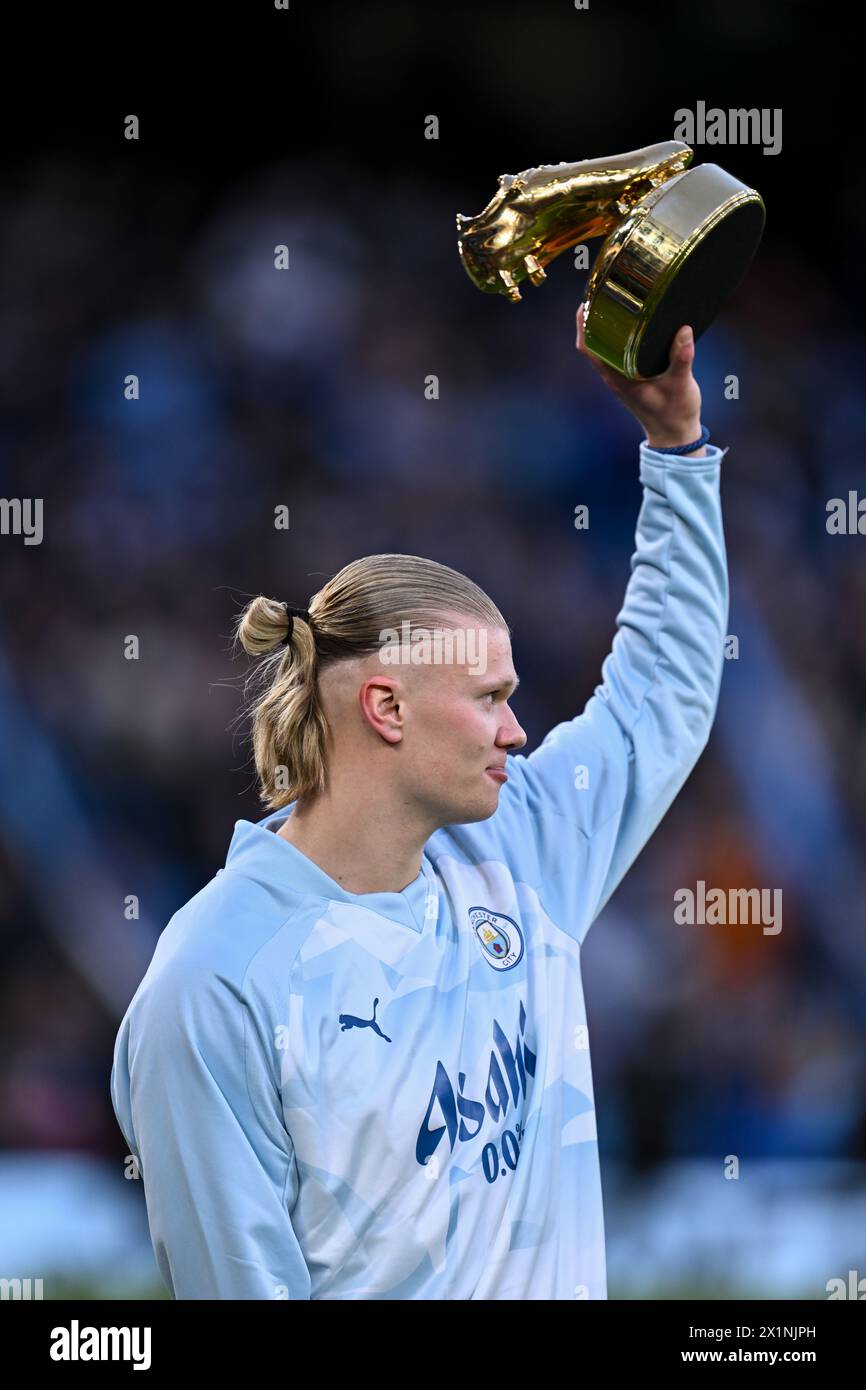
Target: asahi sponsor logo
(458, 1114)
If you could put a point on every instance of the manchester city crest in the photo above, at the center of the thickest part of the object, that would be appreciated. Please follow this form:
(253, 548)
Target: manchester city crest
(500, 938)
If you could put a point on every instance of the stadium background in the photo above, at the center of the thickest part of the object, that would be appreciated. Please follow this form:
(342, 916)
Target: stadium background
(306, 389)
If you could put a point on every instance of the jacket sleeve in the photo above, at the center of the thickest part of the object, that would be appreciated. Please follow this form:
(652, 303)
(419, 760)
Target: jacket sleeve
(197, 1098)
(588, 799)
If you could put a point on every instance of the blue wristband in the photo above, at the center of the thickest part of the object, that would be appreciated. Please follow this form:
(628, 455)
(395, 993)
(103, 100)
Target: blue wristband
(686, 448)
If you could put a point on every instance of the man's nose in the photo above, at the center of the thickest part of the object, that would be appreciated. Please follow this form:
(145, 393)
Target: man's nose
(512, 736)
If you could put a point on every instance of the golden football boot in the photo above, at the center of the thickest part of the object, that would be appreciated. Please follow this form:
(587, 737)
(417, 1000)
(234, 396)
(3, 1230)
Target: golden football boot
(536, 215)
(677, 242)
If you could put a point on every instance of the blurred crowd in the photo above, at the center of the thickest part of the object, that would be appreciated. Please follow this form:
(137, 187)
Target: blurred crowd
(310, 388)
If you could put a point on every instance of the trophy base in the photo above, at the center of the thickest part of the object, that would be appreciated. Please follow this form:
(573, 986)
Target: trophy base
(676, 257)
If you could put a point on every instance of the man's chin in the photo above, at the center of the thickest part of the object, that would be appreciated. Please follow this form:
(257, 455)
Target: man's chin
(478, 809)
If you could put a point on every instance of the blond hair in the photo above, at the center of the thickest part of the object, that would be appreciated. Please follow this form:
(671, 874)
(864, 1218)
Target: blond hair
(348, 616)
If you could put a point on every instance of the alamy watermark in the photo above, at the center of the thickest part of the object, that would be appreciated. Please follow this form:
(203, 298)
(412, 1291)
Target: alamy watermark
(855, 1287)
(425, 646)
(755, 126)
(20, 1288)
(77, 1343)
(846, 518)
(736, 907)
(17, 518)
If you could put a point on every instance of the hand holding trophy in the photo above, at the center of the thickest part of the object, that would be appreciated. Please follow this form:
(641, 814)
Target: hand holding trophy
(667, 406)
(677, 243)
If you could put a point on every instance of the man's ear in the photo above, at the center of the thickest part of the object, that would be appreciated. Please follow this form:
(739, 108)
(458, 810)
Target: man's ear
(381, 702)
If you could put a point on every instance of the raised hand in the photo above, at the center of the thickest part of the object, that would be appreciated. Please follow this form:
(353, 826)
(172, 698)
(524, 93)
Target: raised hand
(668, 407)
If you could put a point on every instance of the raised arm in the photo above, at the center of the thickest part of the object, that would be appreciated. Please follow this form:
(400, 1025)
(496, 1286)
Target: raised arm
(660, 682)
(585, 803)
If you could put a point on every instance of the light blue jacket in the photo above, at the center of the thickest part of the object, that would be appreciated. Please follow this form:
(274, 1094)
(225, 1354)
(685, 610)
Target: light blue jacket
(389, 1095)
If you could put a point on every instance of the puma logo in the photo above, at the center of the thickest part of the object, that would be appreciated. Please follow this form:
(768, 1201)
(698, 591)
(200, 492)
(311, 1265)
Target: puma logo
(350, 1021)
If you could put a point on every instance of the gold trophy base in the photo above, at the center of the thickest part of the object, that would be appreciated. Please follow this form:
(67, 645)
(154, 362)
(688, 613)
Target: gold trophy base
(675, 257)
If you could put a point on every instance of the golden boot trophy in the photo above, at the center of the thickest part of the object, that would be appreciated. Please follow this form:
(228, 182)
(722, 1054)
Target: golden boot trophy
(677, 243)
